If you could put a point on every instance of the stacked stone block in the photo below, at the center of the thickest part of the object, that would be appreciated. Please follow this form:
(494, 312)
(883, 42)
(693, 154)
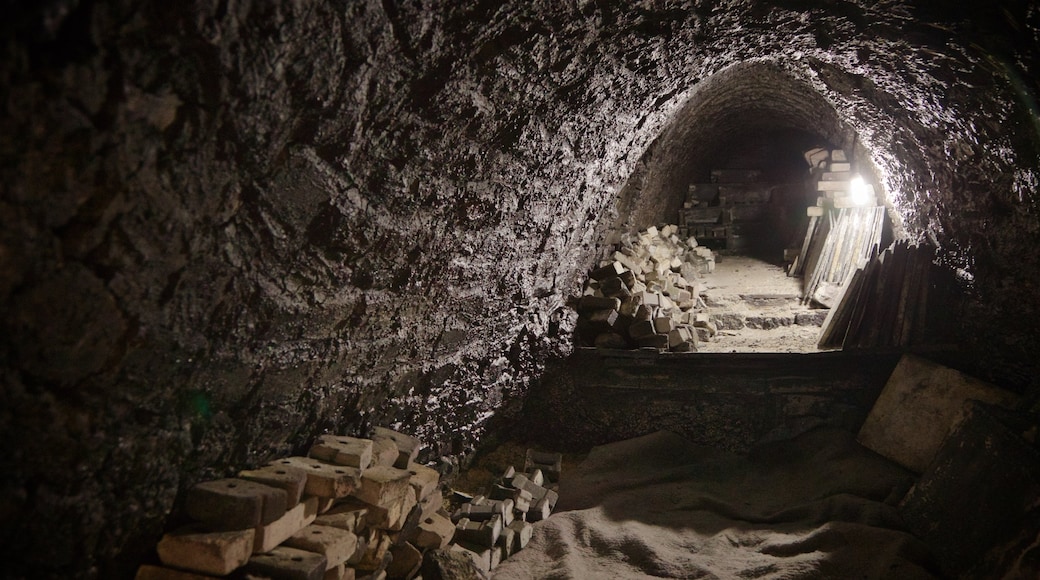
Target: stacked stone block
(352, 509)
(491, 528)
(831, 172)
(647, 294)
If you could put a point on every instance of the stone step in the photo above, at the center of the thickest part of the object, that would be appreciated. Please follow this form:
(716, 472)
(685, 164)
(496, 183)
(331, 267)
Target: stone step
(752, 301)
(735, 320)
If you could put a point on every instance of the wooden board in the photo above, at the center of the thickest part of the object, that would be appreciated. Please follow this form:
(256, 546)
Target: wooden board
(836, 325)
(905, 310)
(920, 331)
(860, 323)
(799, 263)
(823, 228)
(890, 301)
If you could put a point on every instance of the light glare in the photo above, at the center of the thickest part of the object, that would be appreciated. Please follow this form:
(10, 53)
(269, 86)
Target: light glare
(859, 191)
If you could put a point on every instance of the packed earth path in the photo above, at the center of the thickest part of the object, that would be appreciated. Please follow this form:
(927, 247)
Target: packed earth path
(757, 308)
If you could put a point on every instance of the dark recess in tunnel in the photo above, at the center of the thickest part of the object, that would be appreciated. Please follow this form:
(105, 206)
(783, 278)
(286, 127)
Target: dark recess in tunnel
(777, 153)
(748, 105)
(753, 115)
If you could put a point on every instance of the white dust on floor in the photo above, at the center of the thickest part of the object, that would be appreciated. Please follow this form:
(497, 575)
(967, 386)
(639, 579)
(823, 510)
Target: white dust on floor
(658, 506)
(738, 276)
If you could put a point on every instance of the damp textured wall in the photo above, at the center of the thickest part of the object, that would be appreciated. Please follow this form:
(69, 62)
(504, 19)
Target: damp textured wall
(227, 226)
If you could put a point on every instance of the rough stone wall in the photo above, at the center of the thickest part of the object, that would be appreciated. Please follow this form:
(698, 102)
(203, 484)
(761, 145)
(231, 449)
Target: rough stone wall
(229, 225)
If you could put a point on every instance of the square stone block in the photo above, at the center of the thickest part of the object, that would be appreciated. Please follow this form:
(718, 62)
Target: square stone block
(235, 504)
(335, 544)
(216, 553)
(324, 479)
(343, 450)
(284, 563)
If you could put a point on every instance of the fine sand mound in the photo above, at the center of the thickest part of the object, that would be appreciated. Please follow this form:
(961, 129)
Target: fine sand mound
(658, 506)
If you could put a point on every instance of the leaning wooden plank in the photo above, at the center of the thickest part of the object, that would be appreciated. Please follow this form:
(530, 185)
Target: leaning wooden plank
(870, 297)
(905, 310)
(871, 231)
(843, 241)
(889, 304)
(836, 325)
(820, 236)
(799, 263)
(796, 265)
(864, 234)
(858, 234)
(874, 315)
(855, 303)
(889, 288)
(822, 260)
(879, 227)
(890, 301)
(834, 248)
(904, 306)
(924, 292)
(896, 331)
(859, 304)
(827, 329)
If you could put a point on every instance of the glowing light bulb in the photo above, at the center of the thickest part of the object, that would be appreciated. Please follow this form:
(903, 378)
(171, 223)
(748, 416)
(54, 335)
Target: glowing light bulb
(859, 191)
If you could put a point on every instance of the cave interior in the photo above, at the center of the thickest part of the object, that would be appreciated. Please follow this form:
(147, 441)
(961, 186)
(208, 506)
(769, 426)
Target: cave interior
(228, 227)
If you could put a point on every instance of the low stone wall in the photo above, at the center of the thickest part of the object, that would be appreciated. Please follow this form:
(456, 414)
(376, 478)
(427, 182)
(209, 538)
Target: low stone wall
(724, 400)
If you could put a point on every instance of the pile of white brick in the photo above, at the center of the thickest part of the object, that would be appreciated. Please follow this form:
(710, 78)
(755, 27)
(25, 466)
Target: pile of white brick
(832, 172)
(647, 294)
(492, 528)
(353, 508)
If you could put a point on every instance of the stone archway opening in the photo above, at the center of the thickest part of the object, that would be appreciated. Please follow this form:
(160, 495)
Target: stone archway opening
(735, 172)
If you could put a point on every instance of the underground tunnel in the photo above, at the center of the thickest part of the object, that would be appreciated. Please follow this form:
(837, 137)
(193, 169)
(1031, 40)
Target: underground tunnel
(246, 237)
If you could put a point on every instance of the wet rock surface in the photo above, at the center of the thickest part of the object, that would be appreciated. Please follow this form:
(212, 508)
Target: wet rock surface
(227, 227)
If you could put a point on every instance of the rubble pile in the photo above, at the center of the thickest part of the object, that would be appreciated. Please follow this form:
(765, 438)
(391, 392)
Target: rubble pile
(353, 508)
(648, 294)
(490, 528)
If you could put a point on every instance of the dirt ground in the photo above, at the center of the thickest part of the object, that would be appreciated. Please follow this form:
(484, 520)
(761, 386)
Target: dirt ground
(752, 287)
(815, 506)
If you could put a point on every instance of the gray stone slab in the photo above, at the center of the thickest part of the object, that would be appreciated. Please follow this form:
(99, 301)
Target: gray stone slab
(919, 406)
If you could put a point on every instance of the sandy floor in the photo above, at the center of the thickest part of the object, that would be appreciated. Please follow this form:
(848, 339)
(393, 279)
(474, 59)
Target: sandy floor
(750, 286)
(746, 275)
(787, 339)
(817, 506)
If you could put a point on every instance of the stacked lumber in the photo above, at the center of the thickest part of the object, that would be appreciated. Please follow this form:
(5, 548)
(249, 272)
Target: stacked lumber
(647, 294)
(852, 236)
(726, 212)
(842, 231)
(885, 302)
(353, 508)
(490, 528)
